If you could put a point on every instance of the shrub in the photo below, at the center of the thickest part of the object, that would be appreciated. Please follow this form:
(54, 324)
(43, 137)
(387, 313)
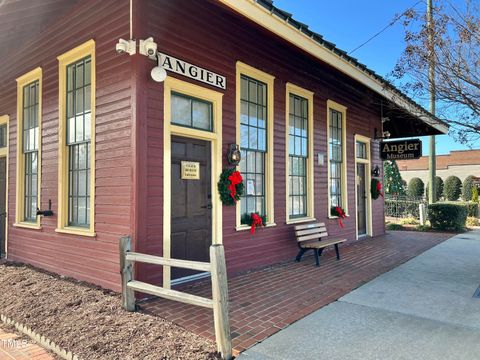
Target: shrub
(472, 208)
(475, 194)
(416, 188)
(423, 228)
(447, 216)
(472, 221)
(452, 188)
(438, 188)
(467, 188)
(394, 227)
(409, 221)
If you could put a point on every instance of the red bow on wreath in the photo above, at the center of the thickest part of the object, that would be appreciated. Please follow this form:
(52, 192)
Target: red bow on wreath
(341, 215)
(235, 178)
(379, 189)
(256, 221)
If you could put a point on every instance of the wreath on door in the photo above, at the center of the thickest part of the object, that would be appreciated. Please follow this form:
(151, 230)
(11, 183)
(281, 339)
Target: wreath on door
(376, 189)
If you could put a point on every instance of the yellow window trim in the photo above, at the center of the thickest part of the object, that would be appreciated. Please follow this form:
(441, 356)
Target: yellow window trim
(342, 109)
(5, 119)
(81, 51)
(244, 69)
(368, 172)
(172, 84)
(28, 78)
(308, 95)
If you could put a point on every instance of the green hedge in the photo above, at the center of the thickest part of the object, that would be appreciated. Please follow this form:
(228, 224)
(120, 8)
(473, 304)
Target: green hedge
(416, 188)
(447, 216)
(472, 209)
(467, 188)
(452, 188)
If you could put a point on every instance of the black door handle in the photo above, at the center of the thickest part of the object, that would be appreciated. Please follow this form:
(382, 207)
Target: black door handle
(209, 206)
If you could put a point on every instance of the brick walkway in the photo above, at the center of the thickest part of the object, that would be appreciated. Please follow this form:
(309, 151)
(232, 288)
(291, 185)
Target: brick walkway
(265, 301)
(14, 347)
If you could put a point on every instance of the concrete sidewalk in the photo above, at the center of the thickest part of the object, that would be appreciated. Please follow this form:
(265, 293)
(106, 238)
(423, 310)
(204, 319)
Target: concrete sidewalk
(423, 309)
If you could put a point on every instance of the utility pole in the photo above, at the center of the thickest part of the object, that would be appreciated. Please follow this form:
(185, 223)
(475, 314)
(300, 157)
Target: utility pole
(431, 79)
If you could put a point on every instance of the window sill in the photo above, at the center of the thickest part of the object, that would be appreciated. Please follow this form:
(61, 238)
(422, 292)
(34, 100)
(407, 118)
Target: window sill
(26, 225)
(337, 217)
(76, 231)
(247, 227)
(300, 220)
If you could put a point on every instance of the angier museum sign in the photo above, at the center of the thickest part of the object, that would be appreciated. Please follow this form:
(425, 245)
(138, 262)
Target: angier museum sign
(401, 150)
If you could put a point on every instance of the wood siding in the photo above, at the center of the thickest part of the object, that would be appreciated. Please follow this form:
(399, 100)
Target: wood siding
(182, 30)
(91, 259)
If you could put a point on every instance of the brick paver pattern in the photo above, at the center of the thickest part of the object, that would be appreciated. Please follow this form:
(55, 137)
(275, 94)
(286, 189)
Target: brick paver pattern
(267, 300)
(14, 347)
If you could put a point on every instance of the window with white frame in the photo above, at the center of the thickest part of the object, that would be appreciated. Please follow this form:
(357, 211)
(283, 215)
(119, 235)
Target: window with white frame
(336, 155)
(253, 143)
(78, 106)
(298, 156)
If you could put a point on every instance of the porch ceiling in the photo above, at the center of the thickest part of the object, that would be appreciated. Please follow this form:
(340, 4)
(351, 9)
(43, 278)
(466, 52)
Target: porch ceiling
(21, 20)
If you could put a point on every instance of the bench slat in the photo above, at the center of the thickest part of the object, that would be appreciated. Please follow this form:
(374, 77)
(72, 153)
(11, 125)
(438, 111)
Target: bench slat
(310, 237)
(311, 231)
(309, 226)
(322, 244)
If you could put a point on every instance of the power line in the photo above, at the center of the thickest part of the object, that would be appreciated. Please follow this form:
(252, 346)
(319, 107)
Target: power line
(394, 20)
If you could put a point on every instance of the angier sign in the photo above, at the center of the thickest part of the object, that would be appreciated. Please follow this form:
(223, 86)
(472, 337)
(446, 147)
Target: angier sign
(401, 150)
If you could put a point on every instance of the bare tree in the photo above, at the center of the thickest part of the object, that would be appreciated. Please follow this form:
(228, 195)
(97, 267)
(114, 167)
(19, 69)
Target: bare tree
(456, 55)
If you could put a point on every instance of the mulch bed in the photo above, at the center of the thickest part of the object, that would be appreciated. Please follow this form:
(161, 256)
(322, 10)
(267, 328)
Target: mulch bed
(89, 321)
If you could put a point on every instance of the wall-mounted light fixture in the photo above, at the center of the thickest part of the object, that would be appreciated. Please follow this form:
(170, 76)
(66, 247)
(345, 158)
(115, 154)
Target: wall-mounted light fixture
(385, 135)
(376, 171)
(234, 155)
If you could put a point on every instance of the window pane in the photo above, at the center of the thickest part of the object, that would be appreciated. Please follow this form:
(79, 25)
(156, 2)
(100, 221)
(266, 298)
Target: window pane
(336, 158)
(79, 177)
(78, 101)
(191, 112)
(3, 135)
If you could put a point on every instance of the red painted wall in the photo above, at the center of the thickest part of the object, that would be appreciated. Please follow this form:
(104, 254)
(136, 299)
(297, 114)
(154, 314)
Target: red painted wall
(182, 30)
(129, 131)
(90, 259)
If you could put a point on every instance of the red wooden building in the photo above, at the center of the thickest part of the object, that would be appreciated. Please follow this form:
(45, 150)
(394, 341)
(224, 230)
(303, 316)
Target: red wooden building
(88, 134)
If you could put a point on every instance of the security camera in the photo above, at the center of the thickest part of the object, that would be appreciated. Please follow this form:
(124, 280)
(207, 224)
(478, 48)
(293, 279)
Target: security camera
(126, 46)
(386, 134)
(148, 47)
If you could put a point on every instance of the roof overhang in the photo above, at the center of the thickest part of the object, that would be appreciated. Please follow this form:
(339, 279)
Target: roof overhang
(311, 43)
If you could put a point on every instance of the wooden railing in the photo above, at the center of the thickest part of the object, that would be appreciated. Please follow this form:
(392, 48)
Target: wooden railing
(217, 269)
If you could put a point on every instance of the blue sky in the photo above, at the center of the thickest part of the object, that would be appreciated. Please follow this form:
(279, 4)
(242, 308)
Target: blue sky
(349, 23)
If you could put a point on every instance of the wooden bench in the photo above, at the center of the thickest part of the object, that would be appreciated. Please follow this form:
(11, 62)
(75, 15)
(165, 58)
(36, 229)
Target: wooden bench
(309, 237)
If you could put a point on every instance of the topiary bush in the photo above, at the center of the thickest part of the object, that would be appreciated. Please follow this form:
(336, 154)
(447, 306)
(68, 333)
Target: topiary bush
(475, 194)
(446, 216)
(438, 188)
(452, 188)
(416, 188)
(467, 188)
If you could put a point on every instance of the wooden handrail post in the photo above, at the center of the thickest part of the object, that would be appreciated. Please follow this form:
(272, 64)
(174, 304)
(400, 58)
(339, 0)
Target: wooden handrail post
(220, 301)
(127, 272)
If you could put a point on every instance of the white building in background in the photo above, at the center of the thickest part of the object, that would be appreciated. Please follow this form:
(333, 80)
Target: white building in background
(460, 163)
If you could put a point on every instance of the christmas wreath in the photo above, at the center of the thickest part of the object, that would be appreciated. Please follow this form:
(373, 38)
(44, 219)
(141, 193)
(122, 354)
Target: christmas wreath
(230, 186)
(338, 212)
(376, 189)
(254, 220)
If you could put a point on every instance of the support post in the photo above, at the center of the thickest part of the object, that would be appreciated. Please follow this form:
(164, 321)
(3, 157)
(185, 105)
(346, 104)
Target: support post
(220, 301)
(127, 272)
(432, 166)
(422, 209)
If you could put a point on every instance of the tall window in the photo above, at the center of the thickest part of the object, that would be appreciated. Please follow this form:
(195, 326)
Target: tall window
(336, 158)
(298, 155)
(29, 98)
(78, 107)
(253, 142)
(30, 149)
